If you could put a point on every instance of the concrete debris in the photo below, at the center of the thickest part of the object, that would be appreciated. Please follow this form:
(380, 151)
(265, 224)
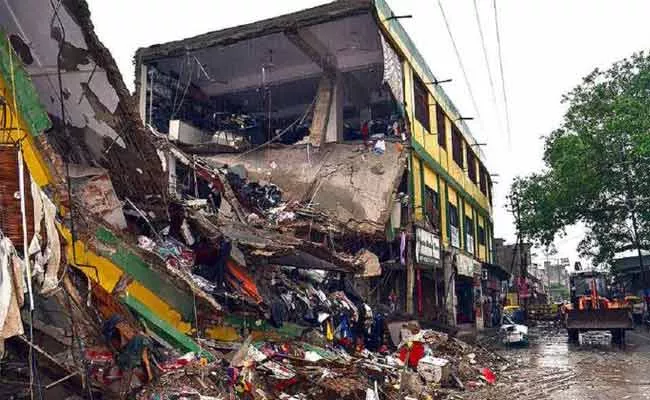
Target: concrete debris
(155, 269)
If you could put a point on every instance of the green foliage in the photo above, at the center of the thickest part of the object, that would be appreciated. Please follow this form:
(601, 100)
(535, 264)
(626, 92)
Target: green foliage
(597, 165)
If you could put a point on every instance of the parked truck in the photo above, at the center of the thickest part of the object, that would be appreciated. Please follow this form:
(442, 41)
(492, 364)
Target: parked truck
(591, 309)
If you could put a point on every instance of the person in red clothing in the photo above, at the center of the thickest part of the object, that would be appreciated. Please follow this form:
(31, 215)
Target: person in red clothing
(365, 132)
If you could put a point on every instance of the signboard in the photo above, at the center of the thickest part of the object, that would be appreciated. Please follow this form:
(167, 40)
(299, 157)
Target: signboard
(484, 274)
(454, 236)
(464, 265)
(470, 243)
(427, 247)
(565, 262)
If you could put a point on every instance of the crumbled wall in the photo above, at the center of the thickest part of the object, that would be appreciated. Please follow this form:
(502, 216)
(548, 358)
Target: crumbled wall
(102, 125)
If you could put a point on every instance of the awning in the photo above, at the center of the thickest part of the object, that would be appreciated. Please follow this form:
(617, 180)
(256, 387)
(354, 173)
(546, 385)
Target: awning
(497, 271)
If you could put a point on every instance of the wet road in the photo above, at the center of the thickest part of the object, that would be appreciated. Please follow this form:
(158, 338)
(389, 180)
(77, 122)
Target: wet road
(552, 369)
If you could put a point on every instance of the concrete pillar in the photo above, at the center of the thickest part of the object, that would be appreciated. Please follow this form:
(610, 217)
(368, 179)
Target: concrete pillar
(144, 86)
(410, 285)
(171, 170)
(450, 287)
(478, 298)
(319, 124)
(334, 131)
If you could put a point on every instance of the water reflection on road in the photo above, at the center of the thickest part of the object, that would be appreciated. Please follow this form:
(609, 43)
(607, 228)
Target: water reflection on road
(552, 369)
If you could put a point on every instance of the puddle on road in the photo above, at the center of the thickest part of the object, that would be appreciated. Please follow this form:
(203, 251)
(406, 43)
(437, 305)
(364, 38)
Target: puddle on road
(551, 369)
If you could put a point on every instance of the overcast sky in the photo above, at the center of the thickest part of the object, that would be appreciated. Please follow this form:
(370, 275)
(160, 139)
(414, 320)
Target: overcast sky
(548, 46)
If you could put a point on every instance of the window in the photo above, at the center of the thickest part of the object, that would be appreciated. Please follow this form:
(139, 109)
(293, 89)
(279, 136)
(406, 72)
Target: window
(440, 127)
(469, 226)
(454, 234)
(431, 206)
(489, 193)
(481, 235)
(457, 146)
(471, 164)
(484, 179)
(421, 103)
(469, 234)
(453, 215)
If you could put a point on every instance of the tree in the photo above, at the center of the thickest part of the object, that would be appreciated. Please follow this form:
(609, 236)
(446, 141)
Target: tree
(597, 166)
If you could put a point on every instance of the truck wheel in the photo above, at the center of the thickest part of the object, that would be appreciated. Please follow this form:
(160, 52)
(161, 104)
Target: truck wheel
(573, 335)
(618, 337)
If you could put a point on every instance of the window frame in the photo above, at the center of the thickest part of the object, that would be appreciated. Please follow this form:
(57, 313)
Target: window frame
(457, 146)
(483, 176)
(470, 221)
(471, 164)
(453, 207)
(421, 103)
(432, 197)
(441, 126)
(482, 238)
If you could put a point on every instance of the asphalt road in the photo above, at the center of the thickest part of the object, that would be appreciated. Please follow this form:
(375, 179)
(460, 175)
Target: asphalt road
(551, 369)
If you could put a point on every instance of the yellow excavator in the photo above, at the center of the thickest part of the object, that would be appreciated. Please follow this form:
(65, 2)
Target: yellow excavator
(592, 310)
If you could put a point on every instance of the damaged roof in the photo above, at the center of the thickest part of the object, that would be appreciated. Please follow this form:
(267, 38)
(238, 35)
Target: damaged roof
(102, 126)
(353, 187)
(224, 37)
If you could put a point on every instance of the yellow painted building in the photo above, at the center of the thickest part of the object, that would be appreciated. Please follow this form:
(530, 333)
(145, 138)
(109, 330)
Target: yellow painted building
(450, 183)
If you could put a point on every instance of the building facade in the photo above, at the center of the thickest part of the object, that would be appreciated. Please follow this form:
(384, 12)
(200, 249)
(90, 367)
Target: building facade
(350, 73)
(450, 183)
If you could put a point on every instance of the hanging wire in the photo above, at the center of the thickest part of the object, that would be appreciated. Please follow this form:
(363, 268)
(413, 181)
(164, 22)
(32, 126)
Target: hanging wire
(493, 91)
(460, 60)
(176, 109)
(301, 119)
(21, 183)
(503, 81)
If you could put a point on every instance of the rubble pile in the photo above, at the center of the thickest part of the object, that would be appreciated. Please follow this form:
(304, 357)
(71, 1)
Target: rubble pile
(134, 266)
(428, 364)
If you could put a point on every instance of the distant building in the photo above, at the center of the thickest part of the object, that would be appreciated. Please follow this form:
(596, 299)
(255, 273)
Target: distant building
(558, 279)
(627, 272)
(511, 256)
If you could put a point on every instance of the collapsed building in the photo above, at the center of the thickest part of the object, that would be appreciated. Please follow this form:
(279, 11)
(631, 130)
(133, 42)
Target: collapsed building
(265, 179)
(336, 107)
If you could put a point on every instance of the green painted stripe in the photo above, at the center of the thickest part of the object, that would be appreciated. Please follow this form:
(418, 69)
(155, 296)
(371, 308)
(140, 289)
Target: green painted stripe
(447, 210)
(28, 103)
(433, 164)
(167, 332)
(239, 322)
(439, 204)
(460, 206)
(422, 191)
(411, 183)
(136, 267)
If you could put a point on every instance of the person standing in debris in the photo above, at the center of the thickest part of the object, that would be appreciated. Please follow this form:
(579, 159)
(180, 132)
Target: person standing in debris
(365, 132)
(496, 313)
(392, 301)
(487, 312)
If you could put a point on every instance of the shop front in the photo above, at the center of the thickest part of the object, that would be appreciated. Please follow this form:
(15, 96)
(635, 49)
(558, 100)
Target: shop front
(429, 281)
(493, 278)
(469, 310)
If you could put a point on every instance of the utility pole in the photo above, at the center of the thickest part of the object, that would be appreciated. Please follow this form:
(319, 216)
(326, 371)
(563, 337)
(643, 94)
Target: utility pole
(518, 249)
(410, 267)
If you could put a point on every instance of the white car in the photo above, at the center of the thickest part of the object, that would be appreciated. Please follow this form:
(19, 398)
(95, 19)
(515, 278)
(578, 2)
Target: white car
(512, 333)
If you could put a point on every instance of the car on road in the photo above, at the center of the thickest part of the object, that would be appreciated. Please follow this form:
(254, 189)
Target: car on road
(513, 333)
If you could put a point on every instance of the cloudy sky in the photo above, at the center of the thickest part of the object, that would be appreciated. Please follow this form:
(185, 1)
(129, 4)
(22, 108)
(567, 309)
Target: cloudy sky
(547, 47)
